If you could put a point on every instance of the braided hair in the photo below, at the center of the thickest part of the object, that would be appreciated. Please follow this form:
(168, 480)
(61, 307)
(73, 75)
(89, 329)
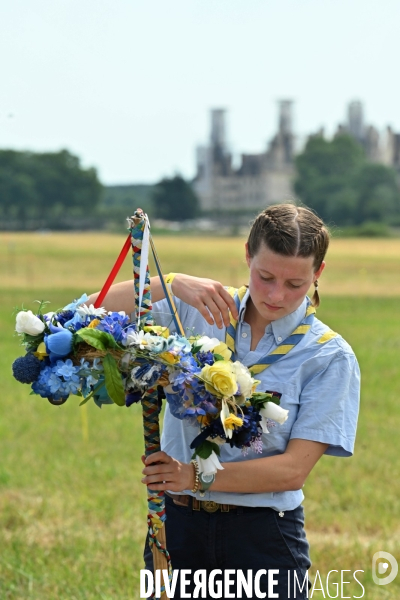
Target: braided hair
(292, 231)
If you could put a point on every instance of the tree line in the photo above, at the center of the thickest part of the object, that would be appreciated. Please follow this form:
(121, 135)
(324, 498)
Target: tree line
(45, 189)
(53, 190)
(335, 179)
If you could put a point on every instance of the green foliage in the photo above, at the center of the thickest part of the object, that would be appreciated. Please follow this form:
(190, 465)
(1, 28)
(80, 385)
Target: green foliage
(378, 194)
(175, 200)
(120, 201)
(128, 197)
(39, 190)
(205, 449)
(259, 399)
(112, 377)
(369, 229)
(101, 340)
(335, 179)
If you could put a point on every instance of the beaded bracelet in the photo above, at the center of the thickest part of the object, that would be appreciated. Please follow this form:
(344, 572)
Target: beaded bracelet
(196, 476)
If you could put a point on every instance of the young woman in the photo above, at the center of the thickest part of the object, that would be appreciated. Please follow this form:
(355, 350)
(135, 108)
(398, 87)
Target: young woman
(255, 519)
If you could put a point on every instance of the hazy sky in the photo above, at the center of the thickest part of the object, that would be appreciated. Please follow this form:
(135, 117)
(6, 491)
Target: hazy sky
(127, 85)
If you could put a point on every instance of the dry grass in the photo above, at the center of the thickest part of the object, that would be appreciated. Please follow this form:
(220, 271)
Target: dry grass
(355, 267)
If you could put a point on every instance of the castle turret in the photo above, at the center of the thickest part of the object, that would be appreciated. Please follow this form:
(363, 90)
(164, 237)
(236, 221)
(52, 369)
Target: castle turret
(355, 120)
(285, 117)
(220, 157)
(218, 129)
(281, 149)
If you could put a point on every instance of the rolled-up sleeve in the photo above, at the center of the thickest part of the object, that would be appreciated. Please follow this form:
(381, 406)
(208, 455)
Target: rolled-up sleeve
(329, 405)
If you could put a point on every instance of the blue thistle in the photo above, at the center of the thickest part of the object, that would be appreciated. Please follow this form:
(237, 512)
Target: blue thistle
(26, 368)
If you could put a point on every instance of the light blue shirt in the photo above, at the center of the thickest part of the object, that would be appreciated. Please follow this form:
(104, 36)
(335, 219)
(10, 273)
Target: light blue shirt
(319, 383)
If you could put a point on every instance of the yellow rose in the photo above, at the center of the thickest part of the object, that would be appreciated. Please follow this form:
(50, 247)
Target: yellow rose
(223, 350)
(219, 378)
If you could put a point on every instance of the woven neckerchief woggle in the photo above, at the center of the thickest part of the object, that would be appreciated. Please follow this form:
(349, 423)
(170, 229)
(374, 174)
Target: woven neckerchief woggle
(284, 348)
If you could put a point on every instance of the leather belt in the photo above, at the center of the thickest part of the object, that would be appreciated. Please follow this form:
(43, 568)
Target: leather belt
(208, 505)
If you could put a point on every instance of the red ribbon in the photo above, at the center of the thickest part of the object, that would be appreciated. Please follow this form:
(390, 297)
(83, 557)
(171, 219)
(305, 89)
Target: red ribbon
(114, 272)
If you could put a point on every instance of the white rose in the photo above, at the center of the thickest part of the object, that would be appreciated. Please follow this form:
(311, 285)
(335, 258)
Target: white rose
(275, 412)
(244, 379)
(206, 344)
(209, 466)
(27, 322)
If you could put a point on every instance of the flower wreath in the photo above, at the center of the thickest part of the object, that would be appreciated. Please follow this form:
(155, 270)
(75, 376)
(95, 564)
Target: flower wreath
(94, 354)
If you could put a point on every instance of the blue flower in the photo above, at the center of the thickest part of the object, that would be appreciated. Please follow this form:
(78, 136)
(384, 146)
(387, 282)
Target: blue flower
(26, 368)
(133, 397)
(74, 305)
(50, 385)
(70, 386)
(89, 376)
(250, 431)
(205, 358)
(178, 344)
(175, 405)
(54, 383)
(40, 386)
(97, 364)
(188, 362)
(59, 342)
(76, 322)
(66, 369)
(116, 325)
(145, 376)
(64, 316)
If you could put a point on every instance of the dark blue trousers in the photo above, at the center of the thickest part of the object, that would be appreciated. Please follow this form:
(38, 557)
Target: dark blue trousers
(241, 539)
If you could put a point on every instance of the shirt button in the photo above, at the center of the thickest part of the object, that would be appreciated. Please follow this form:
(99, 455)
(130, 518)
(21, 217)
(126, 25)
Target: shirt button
(244, 335)
(279, 339)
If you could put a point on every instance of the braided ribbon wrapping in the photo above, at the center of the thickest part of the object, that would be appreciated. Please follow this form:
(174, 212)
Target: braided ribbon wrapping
(151, 404)
(141, 272)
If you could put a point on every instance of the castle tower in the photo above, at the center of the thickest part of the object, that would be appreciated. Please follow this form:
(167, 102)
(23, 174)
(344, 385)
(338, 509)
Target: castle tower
(282, 145)
(355, 120)
(220, 157)
(218, 128)
(285, 117)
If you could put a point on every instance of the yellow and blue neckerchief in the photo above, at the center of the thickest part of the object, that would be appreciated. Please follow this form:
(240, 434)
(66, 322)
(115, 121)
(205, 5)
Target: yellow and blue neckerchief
(285, 347)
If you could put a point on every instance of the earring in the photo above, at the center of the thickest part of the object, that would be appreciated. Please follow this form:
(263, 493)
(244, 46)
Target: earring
(316, 284)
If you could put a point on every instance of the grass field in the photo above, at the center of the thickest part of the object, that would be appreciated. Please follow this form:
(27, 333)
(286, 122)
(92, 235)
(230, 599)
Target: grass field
(355, 267)
(72, 510)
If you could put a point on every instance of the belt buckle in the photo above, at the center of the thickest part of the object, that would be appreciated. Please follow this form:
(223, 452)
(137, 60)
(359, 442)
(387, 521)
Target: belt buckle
(210, 506)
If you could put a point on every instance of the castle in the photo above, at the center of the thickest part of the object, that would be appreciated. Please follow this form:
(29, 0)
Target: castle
(383, 148)
(267, 178)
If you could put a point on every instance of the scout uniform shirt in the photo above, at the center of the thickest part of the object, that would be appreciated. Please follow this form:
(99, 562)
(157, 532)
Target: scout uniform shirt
(320, 385)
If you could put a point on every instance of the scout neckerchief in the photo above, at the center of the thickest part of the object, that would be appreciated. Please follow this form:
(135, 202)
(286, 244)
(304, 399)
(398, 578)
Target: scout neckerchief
(282, 349)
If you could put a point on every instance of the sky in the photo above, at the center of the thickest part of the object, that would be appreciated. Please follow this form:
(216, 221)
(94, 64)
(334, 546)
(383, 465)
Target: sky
(127, 85)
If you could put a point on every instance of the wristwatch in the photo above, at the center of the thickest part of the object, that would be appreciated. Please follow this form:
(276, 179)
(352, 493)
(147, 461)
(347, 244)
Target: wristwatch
(205, 482)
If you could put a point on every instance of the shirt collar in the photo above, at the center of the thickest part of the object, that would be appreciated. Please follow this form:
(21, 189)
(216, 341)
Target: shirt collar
(281, 328)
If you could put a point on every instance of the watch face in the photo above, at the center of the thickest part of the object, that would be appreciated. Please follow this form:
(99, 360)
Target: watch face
(207, 478)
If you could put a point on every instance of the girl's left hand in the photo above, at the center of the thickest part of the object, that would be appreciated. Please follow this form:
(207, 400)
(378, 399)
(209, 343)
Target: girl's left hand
(162, 472)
